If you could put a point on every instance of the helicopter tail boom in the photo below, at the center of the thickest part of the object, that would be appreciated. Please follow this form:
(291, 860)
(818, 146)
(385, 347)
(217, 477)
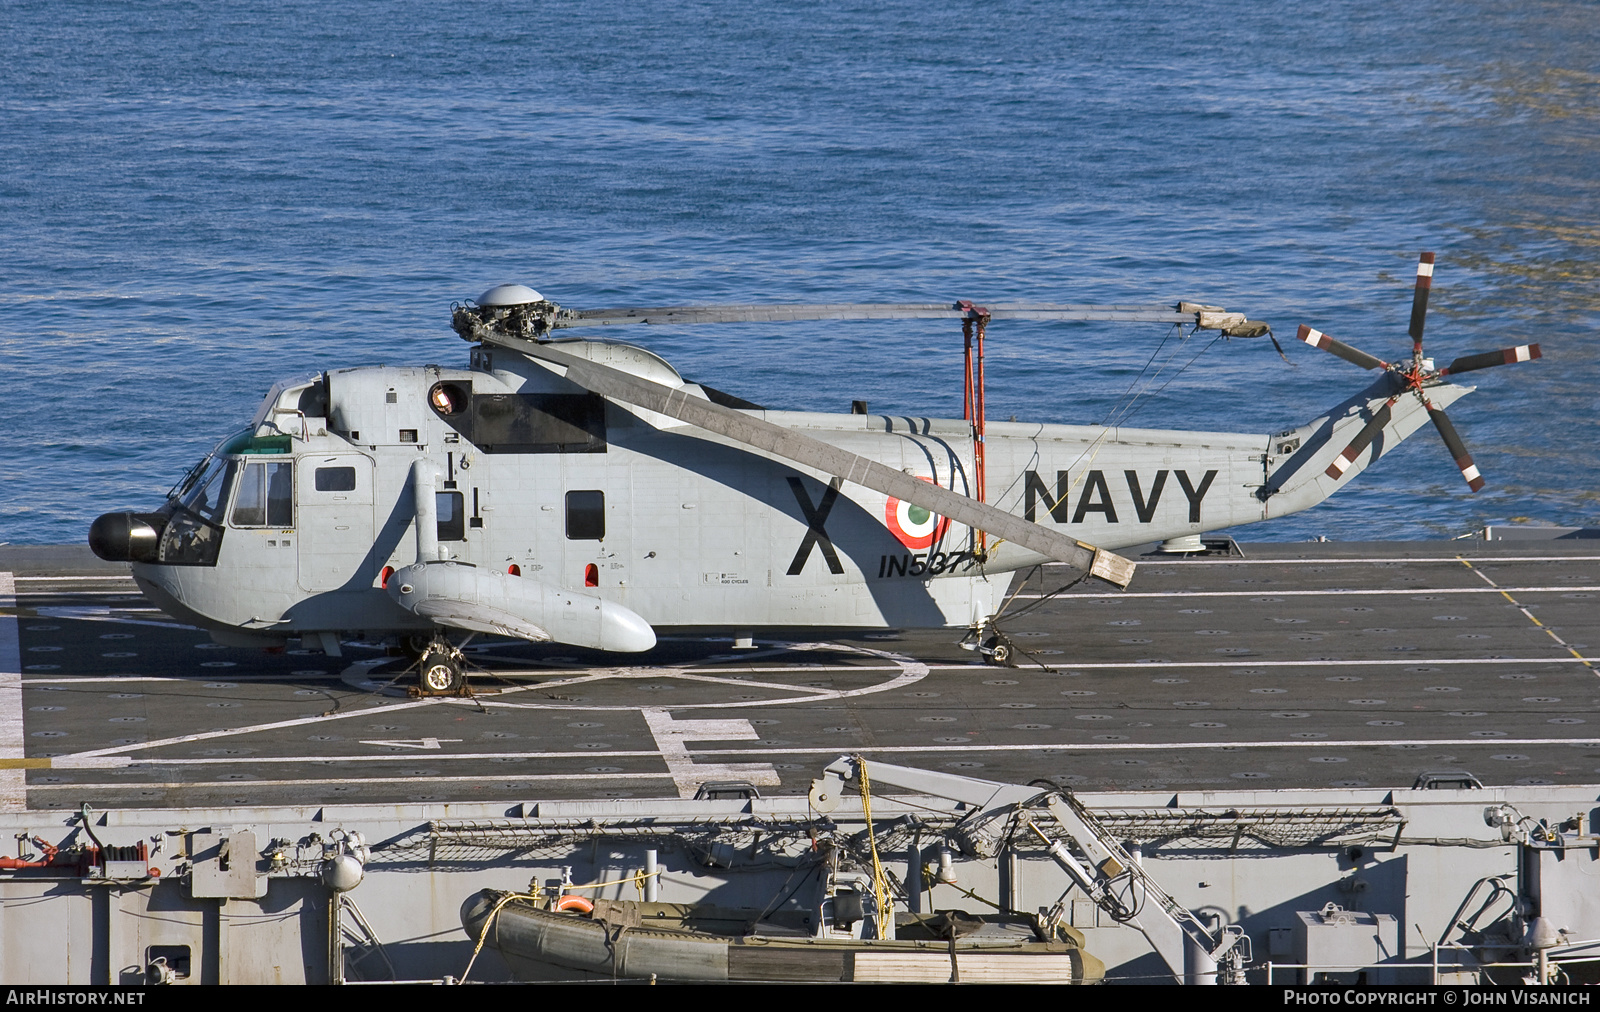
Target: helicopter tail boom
(1307, 464)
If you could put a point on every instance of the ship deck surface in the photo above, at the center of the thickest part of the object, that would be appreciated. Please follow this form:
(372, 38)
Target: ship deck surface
(1296, 666)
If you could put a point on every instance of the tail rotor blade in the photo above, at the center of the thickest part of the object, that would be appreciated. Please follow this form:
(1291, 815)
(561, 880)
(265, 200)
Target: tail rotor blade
(1419, 301)
(1458, 449)
(1505, 356)
(1363, 439)
(1317, 339)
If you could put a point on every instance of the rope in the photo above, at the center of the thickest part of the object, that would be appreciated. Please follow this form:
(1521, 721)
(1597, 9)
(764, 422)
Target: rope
(880, 888)
(929, 881)
(489, 922)
(1118, 407)
(637, 878)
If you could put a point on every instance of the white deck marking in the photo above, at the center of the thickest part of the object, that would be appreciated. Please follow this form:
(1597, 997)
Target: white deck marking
(671, 736)
(190, 680)
(251, 729)
(910, 673)
(682, 674)
(1392, 561)
(57, 579)
(1154, 746)
(1506, 592)
(120, 762)
(356, 781)
(334, 676)
(123, 761)
(687, 775)
(13, 782)
(1246, 661)
(100, 613)
(1340, 591)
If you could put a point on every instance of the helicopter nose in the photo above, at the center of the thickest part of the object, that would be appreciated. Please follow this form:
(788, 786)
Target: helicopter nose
(126, 537)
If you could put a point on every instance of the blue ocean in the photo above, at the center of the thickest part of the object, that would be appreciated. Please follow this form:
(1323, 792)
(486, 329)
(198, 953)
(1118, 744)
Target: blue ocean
(197, 199)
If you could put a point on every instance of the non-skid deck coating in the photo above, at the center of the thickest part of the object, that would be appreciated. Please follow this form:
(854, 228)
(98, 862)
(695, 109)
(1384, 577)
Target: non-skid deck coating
(1300, 665)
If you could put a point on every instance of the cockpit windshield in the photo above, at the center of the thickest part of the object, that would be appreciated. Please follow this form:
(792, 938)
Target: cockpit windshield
(207, 494)
(205, 469)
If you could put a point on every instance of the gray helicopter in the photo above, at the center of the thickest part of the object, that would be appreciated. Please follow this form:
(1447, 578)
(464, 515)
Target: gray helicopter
(578, 491)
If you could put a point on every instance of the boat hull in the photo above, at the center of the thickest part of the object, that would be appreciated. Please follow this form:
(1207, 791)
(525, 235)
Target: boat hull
(616, 942)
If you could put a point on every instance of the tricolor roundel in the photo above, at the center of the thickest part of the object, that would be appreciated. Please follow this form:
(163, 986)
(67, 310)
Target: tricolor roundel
(912, 525)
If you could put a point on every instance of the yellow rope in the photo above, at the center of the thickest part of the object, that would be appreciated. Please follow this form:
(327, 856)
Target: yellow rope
(929, 880)
(880, 886)
(973, 895)
(489, 922)
(637, 878)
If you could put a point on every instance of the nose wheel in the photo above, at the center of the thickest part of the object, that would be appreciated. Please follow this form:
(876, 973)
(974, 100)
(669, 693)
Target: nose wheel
(440, 671)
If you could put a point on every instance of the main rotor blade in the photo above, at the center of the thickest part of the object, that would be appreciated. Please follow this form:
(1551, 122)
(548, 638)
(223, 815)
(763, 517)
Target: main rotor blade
(1317, 339)
(1505, 356)
(662, 315)
(830, 459)
(1453, 443)
(1419, 301)
(1363, 439)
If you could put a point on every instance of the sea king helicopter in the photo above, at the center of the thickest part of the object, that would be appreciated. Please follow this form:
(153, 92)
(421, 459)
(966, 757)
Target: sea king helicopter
(580, 491)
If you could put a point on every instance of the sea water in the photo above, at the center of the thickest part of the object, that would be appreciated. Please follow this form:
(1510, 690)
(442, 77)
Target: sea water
(197, 199)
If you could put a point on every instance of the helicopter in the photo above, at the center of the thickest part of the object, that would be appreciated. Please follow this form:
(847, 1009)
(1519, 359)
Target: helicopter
(580, 491)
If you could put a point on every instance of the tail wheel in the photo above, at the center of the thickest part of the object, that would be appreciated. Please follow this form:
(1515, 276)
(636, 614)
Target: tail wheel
(997, 650)
(441, 673)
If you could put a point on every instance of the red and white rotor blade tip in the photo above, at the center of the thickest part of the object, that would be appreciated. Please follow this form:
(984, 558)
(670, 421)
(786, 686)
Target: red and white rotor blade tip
(1419, 299)
(1505, 356)
(1363, 439)
(1457, 448)
(1317, 339)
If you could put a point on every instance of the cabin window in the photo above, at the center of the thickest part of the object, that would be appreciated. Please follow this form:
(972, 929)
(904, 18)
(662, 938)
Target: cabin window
(266, 496)
(537, 423)
(586, 516)
(335, 479)
(452, 515)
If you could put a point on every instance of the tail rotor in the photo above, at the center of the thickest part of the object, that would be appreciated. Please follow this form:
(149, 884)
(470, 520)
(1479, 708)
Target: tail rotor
(1415, 378)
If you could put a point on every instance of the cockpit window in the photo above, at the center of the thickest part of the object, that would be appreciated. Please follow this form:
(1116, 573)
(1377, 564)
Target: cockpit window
(189, 478)
(266, 495)
(208, 494)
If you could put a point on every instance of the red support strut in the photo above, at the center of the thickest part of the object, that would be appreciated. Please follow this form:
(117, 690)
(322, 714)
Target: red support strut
(973, 407)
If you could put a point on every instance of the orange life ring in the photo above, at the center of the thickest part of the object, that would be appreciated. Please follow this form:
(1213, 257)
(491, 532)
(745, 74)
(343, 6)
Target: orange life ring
(578, 903)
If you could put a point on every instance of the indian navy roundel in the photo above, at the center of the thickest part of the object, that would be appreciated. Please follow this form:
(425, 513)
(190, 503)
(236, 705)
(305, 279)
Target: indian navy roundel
(914, 526)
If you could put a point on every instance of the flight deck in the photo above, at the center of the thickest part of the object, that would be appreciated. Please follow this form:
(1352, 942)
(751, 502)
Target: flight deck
(1291, 665)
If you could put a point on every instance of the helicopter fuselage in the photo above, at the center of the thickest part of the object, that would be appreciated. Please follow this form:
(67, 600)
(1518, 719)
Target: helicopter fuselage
(295, 525)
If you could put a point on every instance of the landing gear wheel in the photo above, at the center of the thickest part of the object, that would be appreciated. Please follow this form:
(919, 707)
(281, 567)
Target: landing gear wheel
(440, 671)
(440, 674)
(998, 650)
